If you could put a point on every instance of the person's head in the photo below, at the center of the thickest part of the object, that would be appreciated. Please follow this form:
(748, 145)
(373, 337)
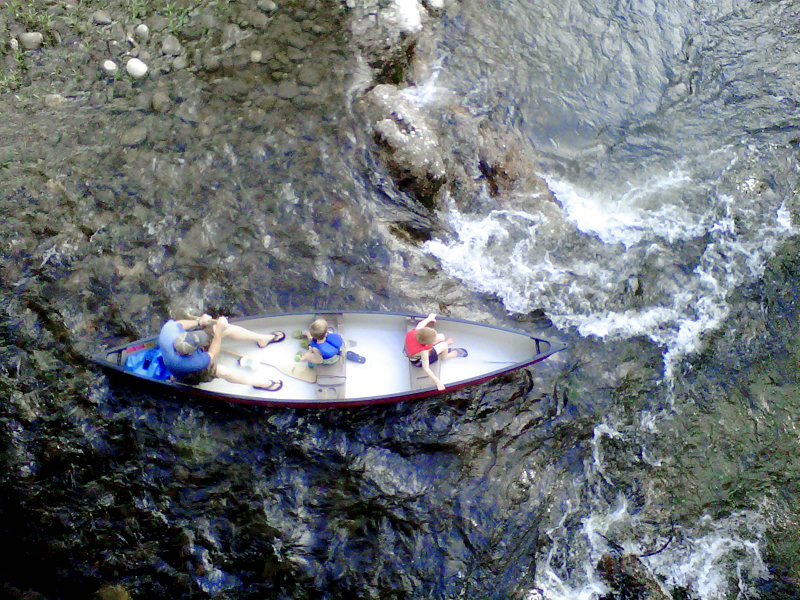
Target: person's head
(189, 341)
(426, 335)
(319, 329)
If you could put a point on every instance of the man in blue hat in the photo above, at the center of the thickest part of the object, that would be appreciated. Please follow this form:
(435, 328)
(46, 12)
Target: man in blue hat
(190, 348)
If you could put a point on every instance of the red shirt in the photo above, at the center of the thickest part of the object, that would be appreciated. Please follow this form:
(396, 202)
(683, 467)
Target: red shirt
(413, 346)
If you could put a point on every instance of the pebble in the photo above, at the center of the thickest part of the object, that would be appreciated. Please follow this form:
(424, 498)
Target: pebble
(136, 68)
(288, 89)
(267, 5)
(109, 67)
(101, 17)
(134, 136)
(179, 63)
(142, 32)
(31, 40)
(309, 76)
(161, 102)
(211, 62)
(255, 56)
(54, 100)
(171, 46)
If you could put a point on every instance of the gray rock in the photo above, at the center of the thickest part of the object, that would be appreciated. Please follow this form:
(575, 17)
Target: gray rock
(171, 46)
(179, 63)
(310, 76)
(101, 17)
(255, 18)
(297, 40)
(188, 112)
(211, 62)
(288, 89)
(158, 23)
(31, 40)
(161, 102)
(267, 6)
(232, 35)
(134, 136)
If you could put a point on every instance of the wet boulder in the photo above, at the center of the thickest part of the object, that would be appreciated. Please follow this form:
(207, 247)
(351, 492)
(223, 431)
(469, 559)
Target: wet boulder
(629, 578)
(386, 34)
(408, 144)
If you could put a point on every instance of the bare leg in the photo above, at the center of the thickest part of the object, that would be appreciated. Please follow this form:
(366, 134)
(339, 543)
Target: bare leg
(443, 350)
(236, 332)
(246, 379)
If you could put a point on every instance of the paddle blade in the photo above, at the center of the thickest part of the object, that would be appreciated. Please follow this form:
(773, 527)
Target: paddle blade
(292, 369)
(295, 370)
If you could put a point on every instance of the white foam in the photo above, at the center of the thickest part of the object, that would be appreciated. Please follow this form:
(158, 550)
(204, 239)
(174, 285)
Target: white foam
(408, 14)
(701, 558)
(513, 255)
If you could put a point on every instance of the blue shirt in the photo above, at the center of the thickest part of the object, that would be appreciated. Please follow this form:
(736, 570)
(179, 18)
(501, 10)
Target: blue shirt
(330, 347)
(180, 365)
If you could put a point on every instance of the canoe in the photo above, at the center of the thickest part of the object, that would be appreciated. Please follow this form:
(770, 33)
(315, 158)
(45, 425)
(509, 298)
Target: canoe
(383, 375)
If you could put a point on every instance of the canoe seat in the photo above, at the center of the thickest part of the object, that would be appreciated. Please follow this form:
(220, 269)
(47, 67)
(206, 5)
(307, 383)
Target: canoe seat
(331, 379)
(418, 377)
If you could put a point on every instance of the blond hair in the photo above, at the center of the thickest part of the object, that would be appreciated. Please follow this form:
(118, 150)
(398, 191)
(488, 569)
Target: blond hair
(319, 329)
(426, 335)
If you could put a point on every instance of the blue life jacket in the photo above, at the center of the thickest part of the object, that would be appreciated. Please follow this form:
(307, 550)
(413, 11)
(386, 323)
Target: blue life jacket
(330, 347)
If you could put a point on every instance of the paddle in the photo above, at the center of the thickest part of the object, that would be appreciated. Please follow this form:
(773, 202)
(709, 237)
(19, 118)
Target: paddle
(293, 369)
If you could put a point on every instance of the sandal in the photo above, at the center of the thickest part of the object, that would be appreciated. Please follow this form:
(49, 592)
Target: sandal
(277, 336)
(355, 357)
(274, 386)
(461, 352)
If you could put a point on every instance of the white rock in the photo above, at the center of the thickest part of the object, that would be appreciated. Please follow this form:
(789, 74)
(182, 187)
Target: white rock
(110, 67)
(31, 40)
(255, 56)
(136, 68)
(142, 32)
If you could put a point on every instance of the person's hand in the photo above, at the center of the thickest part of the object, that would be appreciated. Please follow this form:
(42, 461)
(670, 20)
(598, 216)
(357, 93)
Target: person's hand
(431, 317)
(205, 320)
(221, 326)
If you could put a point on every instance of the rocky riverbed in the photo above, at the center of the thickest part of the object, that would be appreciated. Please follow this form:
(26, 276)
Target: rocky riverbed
(160, 159)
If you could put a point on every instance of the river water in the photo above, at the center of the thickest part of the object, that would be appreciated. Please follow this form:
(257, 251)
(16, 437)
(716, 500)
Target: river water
(667, 132)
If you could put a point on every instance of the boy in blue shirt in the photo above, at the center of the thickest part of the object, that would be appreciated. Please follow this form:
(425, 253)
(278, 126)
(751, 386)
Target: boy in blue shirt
(324, 347)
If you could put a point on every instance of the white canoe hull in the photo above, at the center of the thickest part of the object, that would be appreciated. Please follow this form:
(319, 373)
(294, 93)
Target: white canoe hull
(385, 376)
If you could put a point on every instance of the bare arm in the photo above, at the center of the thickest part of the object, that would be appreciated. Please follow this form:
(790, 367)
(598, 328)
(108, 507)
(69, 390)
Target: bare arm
(219, 333)
(426, 366)
(428, 320)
